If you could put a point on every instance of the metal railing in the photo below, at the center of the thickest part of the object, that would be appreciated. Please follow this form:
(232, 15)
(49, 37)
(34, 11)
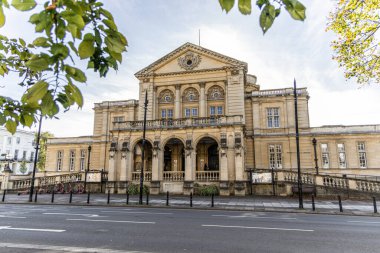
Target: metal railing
(173, 176)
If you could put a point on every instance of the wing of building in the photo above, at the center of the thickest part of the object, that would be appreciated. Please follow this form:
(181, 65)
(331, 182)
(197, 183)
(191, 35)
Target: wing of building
(208, 122)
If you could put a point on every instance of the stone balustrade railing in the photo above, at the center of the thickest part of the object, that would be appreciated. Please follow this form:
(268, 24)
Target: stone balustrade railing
(207, 176)
(179, 123)
(174, 175)
(21, 184)
(147, 176)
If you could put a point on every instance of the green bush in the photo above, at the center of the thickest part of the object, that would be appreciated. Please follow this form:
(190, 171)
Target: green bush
(208, 190)
(134, 189)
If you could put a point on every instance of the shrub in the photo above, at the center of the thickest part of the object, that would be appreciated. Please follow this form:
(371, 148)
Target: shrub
(208, 190)
(134, 189)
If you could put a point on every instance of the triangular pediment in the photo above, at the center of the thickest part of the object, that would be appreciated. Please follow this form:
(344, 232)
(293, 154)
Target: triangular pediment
(189, 58)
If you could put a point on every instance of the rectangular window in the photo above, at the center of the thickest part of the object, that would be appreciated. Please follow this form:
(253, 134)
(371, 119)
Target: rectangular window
(31, 156)
(325, 156)
(273, 118)
(275, 156)
(195, 112)
(59, 160)
(24, 155)
(118, 119)
(72, 160)
(9, 140)
(362, 155)
(220, 110)
(82, 159)
(18, 140)
(16, 154)
(212, 110)
(163, 113)
(341, 156)
(170, 113)
(187, 112)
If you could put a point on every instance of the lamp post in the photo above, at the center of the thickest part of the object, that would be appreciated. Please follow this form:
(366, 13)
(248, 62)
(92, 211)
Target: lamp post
(315, 155)
(7, 158)
(88, 167)
(35, 160)
(300, 196)
(143, 151)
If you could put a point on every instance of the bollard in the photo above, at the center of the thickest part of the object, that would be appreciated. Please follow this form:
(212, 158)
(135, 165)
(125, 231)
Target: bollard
(312, 202)
(52, 196)
(3, 196)
(127, 197)
(191, 199)
(340, 204)
(212, 200)
(35, 197)
(147, 198)
(374, 205)
(167, 198)
(71, 197)
(88, 197)
(108, 197)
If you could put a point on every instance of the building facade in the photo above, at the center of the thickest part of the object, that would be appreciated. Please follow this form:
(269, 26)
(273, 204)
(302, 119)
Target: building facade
(208, 122)
(17, 150)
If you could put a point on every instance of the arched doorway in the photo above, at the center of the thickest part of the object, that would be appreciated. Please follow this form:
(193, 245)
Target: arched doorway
(137, 161)
(174, 160)
(207, 160)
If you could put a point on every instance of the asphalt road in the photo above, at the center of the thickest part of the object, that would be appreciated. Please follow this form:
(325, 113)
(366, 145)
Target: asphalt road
(48, 228)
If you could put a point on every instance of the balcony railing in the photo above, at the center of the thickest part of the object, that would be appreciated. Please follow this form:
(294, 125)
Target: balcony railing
(179, 123)
(207, 176)
(147, 176)
(174, 175)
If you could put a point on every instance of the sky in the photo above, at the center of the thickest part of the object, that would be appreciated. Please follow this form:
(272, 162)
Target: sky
(153, 28)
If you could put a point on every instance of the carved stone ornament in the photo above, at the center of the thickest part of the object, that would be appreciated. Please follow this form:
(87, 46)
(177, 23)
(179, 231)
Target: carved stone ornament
(189, 61)
(215, 93)
(166, 97)
(190, 95)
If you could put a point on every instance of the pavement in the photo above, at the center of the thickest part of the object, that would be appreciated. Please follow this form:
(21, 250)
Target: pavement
(247, 203)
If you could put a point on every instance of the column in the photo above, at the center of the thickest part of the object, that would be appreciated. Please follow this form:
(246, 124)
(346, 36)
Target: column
(154, 103)
(202, 101)
(189, 165)
(111, 172)
(177, 110)
(123, 184)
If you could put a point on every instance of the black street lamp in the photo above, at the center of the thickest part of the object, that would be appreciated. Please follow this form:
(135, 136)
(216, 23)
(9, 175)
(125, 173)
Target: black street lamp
(35, 160)
(299, 183)
(88, 167)
(143, 150)
(315, 155)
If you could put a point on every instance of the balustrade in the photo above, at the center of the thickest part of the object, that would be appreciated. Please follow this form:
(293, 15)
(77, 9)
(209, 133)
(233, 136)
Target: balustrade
(207, 175)
(367, 186)
(335, 182)
(147, 176)
(173, 175)
(21, 184)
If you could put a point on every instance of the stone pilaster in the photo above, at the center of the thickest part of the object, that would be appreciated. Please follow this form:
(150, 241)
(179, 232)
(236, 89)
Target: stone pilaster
(177, 102)
(111, 170)
(202, 101)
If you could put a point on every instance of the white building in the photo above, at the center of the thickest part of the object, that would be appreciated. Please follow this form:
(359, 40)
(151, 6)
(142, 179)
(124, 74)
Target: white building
(14, 149)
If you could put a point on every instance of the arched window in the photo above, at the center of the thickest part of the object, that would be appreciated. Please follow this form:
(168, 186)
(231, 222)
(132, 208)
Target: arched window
(166, 97)
(190, 95)
(215, 93)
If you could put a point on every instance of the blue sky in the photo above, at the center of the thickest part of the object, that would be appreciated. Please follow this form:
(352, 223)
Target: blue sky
(156, 27)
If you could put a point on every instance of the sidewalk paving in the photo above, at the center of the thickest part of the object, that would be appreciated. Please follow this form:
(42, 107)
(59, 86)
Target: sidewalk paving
(248, 203)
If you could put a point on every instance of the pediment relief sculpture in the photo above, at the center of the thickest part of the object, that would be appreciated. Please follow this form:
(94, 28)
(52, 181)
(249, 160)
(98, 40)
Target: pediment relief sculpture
(190, 95)
(189, 61)
(166, 97)
(215, 93)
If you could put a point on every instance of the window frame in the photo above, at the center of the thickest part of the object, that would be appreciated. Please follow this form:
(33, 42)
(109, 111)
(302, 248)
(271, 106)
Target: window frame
(362, 152)
(59, 160)
(325, 156)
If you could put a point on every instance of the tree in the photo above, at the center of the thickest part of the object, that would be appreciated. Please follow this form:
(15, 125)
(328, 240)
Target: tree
(42, 151)
(23, 167)
(68, 30)
(270, 9)
(357, 23)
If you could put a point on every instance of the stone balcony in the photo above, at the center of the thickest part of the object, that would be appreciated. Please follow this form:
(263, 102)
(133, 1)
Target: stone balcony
(179, 123)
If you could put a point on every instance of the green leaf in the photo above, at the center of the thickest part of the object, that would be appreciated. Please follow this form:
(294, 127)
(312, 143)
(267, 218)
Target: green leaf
(76, 74)
(75, 19)
(41, 42)
(115, 44)
(38, 63)
(86, 49)
(110, 23)
(60, 50)
(2, 17)
(260, 3)
(75, 94)
(267, 16)
(296, 9)
(35, 93)
(24, 5)
(26, 120)
(106, 13)
(245, 7)
(2, 119)
(227, 4)
(5, 3)
(11, 126)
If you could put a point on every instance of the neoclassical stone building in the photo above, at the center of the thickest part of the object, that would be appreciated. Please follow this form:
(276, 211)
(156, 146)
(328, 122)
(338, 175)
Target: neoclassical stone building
(208, 122)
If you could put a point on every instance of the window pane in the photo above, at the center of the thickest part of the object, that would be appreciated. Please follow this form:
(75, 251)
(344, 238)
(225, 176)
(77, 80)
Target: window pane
(187, 112)
(163, 113)
(195, 111)
(170, 113)
(220, 110)
(212, 110)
